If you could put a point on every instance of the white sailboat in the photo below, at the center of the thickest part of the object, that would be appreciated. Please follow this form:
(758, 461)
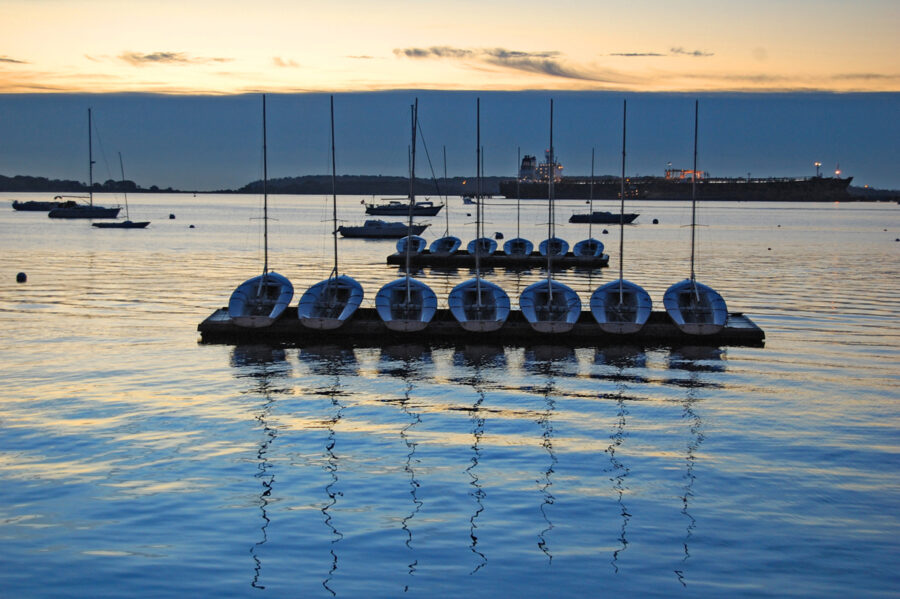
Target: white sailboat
(549, 306)
(329, 303)
(261, 300)
(447, 244)
(518, 245)
(696, 309)
(407, 304)
(620, 306)
(589, 247)
(479, 305)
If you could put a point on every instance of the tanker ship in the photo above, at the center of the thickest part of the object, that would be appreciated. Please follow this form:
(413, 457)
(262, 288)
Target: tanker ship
(674, 185)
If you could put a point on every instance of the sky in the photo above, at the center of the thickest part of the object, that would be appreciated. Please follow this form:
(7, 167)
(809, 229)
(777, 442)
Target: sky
(175, 85)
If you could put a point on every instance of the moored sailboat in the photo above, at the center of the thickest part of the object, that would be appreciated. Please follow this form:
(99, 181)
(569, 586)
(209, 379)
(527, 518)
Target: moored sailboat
(476, 304)
(620, 306)
(447, 244)
(73, 209)
(127, 223)
(549, 306)
(261, 300)
(518, 245)
(407, 304)
(329, 303)
(695, 308)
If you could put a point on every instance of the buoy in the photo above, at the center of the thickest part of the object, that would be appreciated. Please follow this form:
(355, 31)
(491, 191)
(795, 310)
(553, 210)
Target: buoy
(770, 249)
(171, 217)
(498, 235)
(191, 227)
(468, 214)
(655, 221)
(21, 277)
(605, 232)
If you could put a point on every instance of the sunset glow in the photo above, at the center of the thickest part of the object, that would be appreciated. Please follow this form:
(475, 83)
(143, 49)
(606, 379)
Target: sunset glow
(229, 47)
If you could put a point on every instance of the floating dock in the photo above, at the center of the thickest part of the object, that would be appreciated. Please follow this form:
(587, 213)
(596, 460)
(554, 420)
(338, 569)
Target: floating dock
(366, 328)
(463, 259)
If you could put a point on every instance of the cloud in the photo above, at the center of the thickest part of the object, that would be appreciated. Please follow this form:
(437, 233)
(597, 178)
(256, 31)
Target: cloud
(542, 63)
(172, 58)
(633, 54)
(280, 62)
(11, 60)
(865, 77)
(696, 53)
(362, 57)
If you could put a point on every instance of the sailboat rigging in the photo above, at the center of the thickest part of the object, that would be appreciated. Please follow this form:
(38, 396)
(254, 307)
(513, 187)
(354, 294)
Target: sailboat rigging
(518, 246)
(261, 300)
(620, 306)
(329, 303)
(549, 306)
(589, 247)
(479, 305)
(72, 209)
(407, 304)
(127, 223)
(447, 244)
(695, 308)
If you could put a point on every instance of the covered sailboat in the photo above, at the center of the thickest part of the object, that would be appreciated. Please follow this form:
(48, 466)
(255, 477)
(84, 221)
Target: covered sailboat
(413, 243)
(620, 306)
(550, 306)
(261, 300)
(329, 303)
(479, 305)
(407, 304)
(695, 308)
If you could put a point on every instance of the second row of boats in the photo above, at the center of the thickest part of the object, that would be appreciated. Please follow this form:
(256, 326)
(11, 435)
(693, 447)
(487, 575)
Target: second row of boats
(408, 305)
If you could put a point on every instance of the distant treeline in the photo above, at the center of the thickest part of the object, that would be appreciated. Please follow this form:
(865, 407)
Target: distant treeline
(373, 185)
(27, 183)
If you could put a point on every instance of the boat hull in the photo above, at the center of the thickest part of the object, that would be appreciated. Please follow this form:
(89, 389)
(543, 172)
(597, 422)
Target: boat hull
(518, 246)
(35, 206)
(81, 211)
(406, 305)
(328, 304)
(260, 301)
(381, 232)
(479, 306)
(604, 218)
(588, 247)
(125, 224)
(550, 307)
(695, 308)
(445, 246)
(621, 307)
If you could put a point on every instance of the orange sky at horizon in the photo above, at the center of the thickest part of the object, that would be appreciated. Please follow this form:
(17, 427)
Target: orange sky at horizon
(229, 47)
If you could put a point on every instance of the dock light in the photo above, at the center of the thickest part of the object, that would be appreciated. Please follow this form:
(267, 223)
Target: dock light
(817, 165)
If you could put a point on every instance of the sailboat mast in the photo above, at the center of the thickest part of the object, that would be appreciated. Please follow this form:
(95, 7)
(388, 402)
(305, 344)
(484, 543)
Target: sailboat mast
(518, 194)
(446, 196)
(622, 202)
(694, 191)
(478, 244)
(591, 200)
(412, 193)
(124, 192)
(90, 161)
(552, 168)
(333, 194)
(265, 194)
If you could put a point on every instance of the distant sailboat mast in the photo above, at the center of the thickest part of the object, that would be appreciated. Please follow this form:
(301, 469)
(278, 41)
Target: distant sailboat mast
(265, 198)
(124, 191)
(518, 194)
(478, 205)
(90, 161)
(550, 224)
(591, 199)
(412, 193)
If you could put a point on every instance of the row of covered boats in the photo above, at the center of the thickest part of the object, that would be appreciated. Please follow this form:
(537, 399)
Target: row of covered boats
(478, 305)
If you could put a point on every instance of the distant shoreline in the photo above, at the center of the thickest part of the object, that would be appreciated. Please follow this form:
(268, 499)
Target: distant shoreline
(373, 185)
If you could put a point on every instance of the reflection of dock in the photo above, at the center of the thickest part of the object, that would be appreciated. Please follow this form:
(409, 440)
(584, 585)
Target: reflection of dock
(463, 259)
(365, 327)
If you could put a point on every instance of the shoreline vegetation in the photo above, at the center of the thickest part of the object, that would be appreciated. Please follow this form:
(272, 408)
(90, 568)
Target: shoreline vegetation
(321, 184)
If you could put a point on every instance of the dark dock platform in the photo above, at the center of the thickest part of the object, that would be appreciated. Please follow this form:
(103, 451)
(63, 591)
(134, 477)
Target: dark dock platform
(463, 259)
(366, 328)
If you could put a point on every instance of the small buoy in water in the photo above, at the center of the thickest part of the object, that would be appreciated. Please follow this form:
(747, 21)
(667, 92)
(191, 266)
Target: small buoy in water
(898, 239)
(605, 232)
(498, 235)
(655, 221)
(770, 249)
(779, 226)
(171, 217)
(468, 214)
(21, 277)
(191, 227)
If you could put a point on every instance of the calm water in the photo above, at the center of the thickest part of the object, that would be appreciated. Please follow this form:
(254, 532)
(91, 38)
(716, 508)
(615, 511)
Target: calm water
(138, 462)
